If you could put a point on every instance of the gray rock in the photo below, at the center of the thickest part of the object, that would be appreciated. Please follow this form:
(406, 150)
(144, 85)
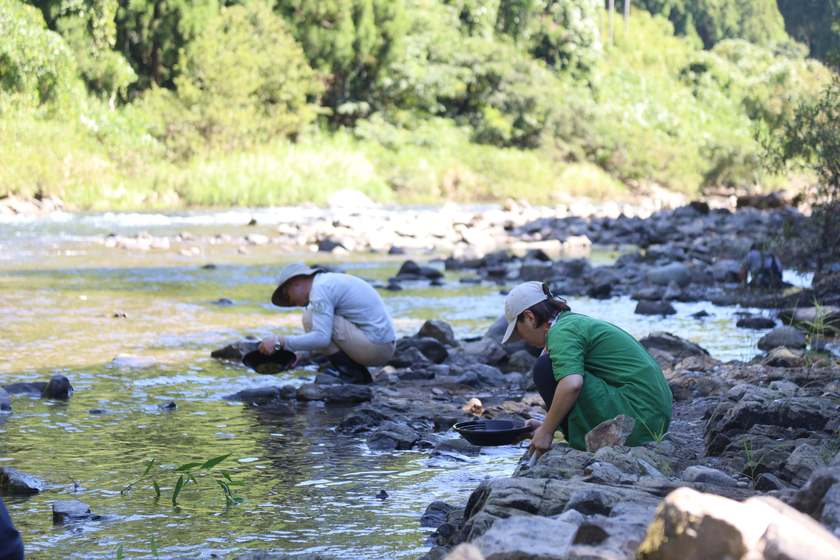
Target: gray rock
(767, 482)
(516, 537)
(486, 350)
(17, 483)
(479, 375)
(337, 394)
(450, 447)
(392, 435)
(646, 307)
(610, 433)
(410, 357)
(234, 352)
(439, 330)
(436, 514)
(58, 387)
(726, 271)
(66, 511)
(804, 460)
(674, 272)
(5, 401)
(429, 347)
(784, 357)
(790, 337)
(674, 345)
(521, 360)
(755, 322)
(700, 473)
(263, 395)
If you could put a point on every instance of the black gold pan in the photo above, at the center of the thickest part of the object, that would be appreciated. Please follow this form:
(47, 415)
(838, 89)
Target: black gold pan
(281, 360)
(493, 432)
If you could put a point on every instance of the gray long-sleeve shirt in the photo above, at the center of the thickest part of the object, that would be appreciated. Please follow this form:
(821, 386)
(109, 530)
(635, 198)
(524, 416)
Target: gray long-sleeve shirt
(351, 297)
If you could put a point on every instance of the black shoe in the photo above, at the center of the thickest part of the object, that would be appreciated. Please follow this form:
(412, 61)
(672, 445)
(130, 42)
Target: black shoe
(349, 370)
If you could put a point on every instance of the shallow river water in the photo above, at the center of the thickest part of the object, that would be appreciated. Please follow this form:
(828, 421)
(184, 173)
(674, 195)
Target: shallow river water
(63, 295)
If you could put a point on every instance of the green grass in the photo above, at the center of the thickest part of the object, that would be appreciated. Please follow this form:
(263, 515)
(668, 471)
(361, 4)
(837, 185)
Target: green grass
(96, 165)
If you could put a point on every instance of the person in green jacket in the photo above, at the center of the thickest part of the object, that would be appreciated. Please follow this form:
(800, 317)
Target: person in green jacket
(590, 370)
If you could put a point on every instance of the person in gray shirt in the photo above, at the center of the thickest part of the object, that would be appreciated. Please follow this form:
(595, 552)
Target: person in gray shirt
(344, 319)
(763, 267)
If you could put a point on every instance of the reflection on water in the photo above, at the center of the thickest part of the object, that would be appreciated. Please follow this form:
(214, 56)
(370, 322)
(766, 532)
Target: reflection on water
(70, 305)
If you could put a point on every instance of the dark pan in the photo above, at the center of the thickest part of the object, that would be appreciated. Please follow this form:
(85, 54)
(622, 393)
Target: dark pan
(280, 360)
(492, 432)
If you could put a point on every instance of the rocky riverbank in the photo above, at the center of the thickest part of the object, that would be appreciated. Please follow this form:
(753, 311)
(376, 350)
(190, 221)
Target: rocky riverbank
(768, 434)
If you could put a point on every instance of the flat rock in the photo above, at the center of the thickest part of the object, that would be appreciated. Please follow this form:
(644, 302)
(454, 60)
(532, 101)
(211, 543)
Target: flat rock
(700, 473)
(335, 393)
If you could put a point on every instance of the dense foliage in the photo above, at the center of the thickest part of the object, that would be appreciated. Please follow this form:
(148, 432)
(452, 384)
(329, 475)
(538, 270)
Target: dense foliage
(173, 101)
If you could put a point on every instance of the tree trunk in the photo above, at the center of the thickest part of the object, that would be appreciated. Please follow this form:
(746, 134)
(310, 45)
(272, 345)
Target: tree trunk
(612, 11)
(626, 15)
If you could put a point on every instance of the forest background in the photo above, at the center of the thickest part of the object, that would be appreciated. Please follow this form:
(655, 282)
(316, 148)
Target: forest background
(141, 104)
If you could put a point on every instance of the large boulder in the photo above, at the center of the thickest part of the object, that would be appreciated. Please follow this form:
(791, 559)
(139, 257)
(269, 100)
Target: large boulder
(675, 272)
(690, 525)
(789, 337)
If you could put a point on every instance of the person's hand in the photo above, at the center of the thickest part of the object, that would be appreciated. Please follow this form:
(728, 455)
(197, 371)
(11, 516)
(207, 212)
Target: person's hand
(533, 425)
(300, 357)
(541, 442)
(268, 344)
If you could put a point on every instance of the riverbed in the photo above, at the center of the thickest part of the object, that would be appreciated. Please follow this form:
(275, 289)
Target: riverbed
(71, 305)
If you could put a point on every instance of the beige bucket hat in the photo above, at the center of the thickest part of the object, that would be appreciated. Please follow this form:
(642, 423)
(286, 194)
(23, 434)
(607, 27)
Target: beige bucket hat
(289, 272)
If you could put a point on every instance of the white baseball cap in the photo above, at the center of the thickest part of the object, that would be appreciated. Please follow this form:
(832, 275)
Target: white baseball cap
(518, 300)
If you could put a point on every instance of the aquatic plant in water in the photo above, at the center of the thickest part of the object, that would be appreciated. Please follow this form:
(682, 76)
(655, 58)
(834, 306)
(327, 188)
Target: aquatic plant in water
(191, 473)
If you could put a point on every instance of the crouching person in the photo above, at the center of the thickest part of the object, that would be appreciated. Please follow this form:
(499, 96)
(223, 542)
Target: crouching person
(344, 318)
(590, 370)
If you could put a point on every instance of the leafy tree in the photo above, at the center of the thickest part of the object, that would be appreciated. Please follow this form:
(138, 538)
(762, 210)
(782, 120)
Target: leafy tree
(563, 33)
(152, 33)
(757, 21)
(243, 80)
(815, 23)
(812, 138)
(36, 66)
(351, 41)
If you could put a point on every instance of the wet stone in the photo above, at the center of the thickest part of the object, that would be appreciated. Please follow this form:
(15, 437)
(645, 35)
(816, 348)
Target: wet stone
(66, 511)
(436, 514)
(645, 307)
(17, 483)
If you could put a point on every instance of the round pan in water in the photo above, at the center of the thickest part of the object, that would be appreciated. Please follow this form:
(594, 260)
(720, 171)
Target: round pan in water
(492, 432)
(273, 363)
